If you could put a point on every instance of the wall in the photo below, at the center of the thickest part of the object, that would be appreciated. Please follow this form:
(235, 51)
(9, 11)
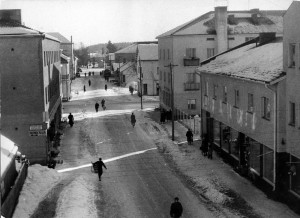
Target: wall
(150, 76)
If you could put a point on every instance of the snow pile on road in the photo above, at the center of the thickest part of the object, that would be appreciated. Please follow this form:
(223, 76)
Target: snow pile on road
(75, 200)
(40, 180)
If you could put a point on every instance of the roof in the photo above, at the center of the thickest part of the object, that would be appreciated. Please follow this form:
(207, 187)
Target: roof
(64, 59)
(8, 150)
(259, 63)
(148, 52)
(128, 49)
(238, 23)
(60, 37)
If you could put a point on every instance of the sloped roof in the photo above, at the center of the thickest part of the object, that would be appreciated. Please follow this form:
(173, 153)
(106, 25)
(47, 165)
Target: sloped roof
(8, 150)
(148, 52)
(240, 22)
(60, 37)
(262, 63)
(128, 49)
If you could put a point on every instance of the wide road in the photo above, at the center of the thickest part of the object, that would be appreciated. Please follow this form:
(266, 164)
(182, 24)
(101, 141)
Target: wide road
(134, 185)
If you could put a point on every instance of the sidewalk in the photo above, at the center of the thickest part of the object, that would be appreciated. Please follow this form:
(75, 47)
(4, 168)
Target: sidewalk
(215, 180)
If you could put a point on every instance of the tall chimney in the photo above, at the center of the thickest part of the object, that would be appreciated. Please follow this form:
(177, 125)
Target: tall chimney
(221, 28)
(11, 15)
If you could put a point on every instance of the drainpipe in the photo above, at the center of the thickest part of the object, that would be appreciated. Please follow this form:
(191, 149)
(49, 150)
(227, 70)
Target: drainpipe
(274, 90)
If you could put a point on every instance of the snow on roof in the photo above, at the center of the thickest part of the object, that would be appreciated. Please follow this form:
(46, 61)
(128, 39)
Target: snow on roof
(148, 52)
(262, 63)
(59, 36)
(128, 49)
(267, 21)
(8, 150)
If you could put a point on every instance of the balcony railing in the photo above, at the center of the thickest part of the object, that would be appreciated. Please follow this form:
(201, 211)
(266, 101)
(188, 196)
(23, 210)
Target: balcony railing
(191, 61)
(65, 77)
(191, 86)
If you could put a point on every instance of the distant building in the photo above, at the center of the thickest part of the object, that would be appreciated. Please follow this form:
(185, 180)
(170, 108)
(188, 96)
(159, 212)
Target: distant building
(65, 77)
(30, 86)
(199, 39)
(291, 65)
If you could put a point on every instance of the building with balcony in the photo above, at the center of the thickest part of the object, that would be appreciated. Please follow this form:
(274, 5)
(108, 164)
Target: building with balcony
(30, 86)
(291, 65)
(189, 44)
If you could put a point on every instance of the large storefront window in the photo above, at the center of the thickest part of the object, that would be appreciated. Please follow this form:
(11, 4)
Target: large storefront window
(268, 167)
(234, 143)
(295, 174)
(217, 136)
(226, 138)
(254, 156)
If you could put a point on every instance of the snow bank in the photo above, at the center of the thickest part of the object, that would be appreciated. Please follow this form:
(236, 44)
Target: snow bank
(40, 180)
(76, 200)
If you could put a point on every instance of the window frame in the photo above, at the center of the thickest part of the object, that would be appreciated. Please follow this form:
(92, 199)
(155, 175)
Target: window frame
(292, 113)
(225, 95)
(215, 88)
(192, 106)
(292, 55)
(266, 108)
(250, 103)
(236, 98)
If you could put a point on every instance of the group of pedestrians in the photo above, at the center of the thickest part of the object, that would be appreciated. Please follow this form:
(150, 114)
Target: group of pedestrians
(102, 105)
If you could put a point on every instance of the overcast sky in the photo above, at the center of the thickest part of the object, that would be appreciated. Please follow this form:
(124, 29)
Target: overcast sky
(97, 21)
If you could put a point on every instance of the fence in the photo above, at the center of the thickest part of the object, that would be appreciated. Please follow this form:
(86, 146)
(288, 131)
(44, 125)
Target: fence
(189, 121)
(9, 204)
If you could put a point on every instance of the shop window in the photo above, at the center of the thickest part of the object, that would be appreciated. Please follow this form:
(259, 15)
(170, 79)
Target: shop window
(292, 54)
(266, 108)
(250, 103)
(234, 143)
(226, 138)
(292, 113)
(255, 155)
(217, 133)
(294, 173)
(268, 163)
(192, 104)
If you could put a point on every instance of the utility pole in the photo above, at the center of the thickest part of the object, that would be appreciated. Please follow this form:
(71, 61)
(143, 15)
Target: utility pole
(141, 82)
(172, 97)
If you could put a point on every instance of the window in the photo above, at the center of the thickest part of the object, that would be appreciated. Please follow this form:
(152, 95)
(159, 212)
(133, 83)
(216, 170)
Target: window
(250, 103)
(215, 91)
(168, 54)
(224, 94)
(268, 163)
(295, 174)
(191, 77)
(191, 52)
(217, 133)
(159, 53)
(192, 104)
(266, 108)
(164, 76)
(124, 60)
(210, 39)
(236, 98)
(160, 75)
(292, 52)
(164, 54)
(230, 38)
(292, 113)
(210, 52)
(206, 89)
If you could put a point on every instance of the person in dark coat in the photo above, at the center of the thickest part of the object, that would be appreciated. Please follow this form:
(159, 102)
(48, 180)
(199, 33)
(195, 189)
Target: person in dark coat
(89, 82)
(71, 119)
(163, 116)
(189, 136)
(96, 106)
(84, 88)
(103, 104)
(204, 145)
(100, 164)
(133, 120)
(105, 87)
(176, 208)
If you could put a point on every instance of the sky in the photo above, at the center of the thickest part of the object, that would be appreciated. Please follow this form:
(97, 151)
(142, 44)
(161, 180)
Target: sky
(98, 21)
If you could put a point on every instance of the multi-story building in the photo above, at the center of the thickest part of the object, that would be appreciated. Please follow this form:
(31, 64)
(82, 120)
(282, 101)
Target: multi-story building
(291, 65)
(65, 77)
(147, 58)
(243, 108)
(187, 45)
(30, 86)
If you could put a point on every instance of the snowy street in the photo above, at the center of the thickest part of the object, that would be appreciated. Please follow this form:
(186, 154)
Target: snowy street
(145, 169)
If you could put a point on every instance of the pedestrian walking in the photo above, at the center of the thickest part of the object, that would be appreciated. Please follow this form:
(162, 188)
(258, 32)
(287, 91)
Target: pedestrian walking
(103, 104)
(189, 136)
(133, 120)
(204, 145)
(96, 106)
(89, 82)
(93, 73)
(176, 208)
(71, 119)
(105, 87)
(210, 151)
(100, 164)
(163, 116)
(85, 74)
(84, 88)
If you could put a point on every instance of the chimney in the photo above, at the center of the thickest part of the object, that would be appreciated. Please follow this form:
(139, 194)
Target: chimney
(11, 15)
(254, 15)
(221, 28)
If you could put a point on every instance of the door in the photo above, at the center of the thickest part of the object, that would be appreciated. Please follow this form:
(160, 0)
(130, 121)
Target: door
(145, 90)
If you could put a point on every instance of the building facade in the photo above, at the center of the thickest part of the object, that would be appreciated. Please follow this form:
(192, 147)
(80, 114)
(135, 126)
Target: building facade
(186, 46)
(291, 65)
(30, 87)
(65, 76)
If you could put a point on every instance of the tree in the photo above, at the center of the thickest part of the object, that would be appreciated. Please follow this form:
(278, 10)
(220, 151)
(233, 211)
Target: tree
(111, 47)
(83, 54)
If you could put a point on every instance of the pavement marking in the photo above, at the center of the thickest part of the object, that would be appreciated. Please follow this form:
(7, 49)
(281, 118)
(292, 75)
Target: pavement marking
(105, 161)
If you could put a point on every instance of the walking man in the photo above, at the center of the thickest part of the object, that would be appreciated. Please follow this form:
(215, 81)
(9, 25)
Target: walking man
(97, 106)
(105, 87)
(189, 136)
(176, 208)
(103, 104)
(71, 119)
(133, 120)
(100, 164)
(89, 82)
(84, 88)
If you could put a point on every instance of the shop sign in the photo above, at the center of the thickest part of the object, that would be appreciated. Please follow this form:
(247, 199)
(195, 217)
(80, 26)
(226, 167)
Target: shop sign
(37, 132)
(36, 127)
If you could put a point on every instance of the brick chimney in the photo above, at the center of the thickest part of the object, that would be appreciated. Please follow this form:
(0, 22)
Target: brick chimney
(221, 28)
(11, 15)
(254, 15)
